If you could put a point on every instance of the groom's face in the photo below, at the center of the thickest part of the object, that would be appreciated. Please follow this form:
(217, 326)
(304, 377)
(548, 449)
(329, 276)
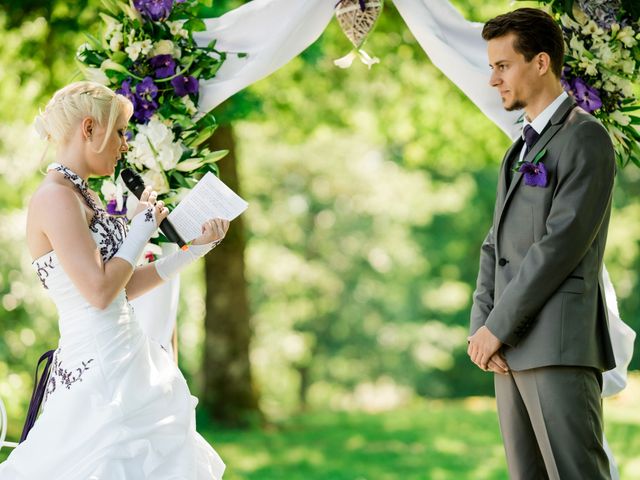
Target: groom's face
(516, 79)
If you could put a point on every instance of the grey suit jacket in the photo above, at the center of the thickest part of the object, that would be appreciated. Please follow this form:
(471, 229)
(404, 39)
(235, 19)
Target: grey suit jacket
(539, 289)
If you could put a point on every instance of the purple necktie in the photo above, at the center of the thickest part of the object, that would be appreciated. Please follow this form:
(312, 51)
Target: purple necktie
(530, 137)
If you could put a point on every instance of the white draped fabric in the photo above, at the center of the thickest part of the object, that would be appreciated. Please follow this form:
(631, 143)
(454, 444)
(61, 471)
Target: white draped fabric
(272, 32)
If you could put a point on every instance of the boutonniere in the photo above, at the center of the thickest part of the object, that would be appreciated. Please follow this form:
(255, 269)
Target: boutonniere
(535, 173)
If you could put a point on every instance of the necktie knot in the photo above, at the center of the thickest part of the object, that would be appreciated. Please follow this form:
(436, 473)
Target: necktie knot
(530, 137)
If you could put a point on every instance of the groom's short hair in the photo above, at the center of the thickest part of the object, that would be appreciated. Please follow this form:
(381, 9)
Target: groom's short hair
(536, 31)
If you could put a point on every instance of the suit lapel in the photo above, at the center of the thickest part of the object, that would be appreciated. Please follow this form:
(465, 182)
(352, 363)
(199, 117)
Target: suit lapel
(555, 124)
(506, 166)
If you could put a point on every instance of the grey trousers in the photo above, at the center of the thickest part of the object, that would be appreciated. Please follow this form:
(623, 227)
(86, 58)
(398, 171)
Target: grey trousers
(551, 423)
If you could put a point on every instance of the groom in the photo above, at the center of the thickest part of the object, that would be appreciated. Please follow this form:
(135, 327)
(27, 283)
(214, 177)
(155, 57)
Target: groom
(538, 319)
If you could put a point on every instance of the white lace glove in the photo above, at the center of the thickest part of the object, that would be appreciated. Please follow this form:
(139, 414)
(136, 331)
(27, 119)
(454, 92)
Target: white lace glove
(168, 266)
(141, 228)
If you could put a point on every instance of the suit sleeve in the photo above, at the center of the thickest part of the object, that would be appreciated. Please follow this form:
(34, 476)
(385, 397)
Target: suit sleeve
(581, 202)
(483, 295)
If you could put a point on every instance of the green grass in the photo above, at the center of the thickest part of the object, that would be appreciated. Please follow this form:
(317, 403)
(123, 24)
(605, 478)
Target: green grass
(428, 440)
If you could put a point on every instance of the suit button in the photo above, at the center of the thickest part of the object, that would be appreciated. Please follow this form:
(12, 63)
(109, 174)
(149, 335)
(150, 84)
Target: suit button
(502, 262)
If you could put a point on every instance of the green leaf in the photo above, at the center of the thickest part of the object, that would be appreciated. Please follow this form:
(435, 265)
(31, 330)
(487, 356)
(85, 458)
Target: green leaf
(195, 25)
(539, 156)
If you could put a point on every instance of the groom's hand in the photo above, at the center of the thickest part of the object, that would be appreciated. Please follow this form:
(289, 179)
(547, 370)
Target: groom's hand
(482, 345)
(498, 364)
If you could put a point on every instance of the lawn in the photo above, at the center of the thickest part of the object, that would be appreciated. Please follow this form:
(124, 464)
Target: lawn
(427, 440)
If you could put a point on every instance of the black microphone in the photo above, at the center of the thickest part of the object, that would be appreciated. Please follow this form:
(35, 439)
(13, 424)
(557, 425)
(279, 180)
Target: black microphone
(135, 184)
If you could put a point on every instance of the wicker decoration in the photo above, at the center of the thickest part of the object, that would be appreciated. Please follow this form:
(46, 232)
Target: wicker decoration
(357, 18)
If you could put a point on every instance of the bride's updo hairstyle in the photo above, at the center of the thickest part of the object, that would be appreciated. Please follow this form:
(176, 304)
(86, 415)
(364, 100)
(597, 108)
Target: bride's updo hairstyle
(71, 104)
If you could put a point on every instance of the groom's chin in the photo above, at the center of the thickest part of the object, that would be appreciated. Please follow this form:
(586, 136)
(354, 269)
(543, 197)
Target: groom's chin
(510, 107)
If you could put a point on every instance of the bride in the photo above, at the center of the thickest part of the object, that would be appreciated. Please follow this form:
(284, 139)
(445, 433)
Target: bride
(116, 407)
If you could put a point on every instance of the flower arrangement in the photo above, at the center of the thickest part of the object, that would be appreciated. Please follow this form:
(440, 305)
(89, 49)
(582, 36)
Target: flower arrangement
(602, 65)
(147, 53)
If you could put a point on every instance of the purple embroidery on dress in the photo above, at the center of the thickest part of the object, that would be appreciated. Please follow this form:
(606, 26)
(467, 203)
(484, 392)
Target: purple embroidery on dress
(42, 271)
(148, 216)
(63, 377)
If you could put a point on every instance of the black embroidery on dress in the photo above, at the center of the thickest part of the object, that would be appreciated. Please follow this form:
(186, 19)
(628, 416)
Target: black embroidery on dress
(42, 271)
(62, 377)
(148, 216)
(111, 229)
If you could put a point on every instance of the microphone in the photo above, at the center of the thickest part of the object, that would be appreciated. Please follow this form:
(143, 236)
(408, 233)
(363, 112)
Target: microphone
(135, 184)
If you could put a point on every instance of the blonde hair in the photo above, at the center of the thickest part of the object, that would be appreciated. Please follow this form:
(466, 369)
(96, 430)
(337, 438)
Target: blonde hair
(78, 100)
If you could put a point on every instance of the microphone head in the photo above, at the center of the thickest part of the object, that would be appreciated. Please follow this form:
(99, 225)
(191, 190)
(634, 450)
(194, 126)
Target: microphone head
(133, 181)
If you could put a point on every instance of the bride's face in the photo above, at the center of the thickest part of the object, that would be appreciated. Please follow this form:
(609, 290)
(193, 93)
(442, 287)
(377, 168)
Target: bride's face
(104, 163)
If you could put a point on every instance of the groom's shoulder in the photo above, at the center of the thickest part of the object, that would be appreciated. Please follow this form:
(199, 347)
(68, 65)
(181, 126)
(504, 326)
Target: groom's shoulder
(581, 123)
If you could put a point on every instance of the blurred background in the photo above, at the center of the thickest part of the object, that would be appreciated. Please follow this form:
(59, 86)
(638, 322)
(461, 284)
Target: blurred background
(343, 294)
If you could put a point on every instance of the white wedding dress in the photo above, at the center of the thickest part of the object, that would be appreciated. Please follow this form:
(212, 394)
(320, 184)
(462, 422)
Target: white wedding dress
(116, 406)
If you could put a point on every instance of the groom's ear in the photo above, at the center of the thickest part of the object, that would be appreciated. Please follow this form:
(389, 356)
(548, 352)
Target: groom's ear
(543, 63)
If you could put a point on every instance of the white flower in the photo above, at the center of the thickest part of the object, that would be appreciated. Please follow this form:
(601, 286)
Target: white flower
(626, 36)
(85, 47)
(163, 47)
(620, 118)
(177, 30)
(134, 51)
(113, 191)
(95, 75)
(169, 154)
(590, 65)
(608, 57)
(578, 14)
(577, 46)
(629, 67)
(191, 107)
(146, 46)
(568, 22)
(157, 180)
(157, 132)
(116, 41)
(142, 155)
(591, 28)
(112, 25)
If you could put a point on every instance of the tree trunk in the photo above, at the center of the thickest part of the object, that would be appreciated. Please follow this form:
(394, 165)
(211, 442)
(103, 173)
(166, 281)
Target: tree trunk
(229, 396)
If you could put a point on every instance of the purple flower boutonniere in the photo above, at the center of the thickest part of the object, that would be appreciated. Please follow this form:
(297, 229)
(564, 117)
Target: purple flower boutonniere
(535, 173)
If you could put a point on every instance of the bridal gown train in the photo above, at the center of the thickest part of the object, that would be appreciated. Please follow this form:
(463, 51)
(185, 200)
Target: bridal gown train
(116, 406)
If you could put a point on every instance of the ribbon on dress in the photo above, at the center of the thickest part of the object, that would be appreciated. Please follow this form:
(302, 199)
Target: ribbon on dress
(37, 396)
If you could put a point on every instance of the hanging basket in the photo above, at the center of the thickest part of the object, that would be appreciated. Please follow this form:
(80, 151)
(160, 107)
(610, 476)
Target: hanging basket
(357, 19)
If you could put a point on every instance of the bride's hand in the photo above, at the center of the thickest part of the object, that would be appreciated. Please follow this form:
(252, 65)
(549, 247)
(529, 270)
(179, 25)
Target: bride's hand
(213, 230)
(149, 199)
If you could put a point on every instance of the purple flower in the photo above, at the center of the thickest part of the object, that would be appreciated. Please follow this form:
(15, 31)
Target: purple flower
(146, 89)
(185, 85)
(535, 175)
(164, 65)
(125, 90)
(112, 207)
(154, 9)
(565, 79)
(586, 96)
(603, 12)
(144, 110)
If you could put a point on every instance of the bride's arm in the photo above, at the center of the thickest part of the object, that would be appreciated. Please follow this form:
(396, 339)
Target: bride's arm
(59, 213)
(151, 275)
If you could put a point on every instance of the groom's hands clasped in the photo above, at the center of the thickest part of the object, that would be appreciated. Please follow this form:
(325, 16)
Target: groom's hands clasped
(483, 351)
